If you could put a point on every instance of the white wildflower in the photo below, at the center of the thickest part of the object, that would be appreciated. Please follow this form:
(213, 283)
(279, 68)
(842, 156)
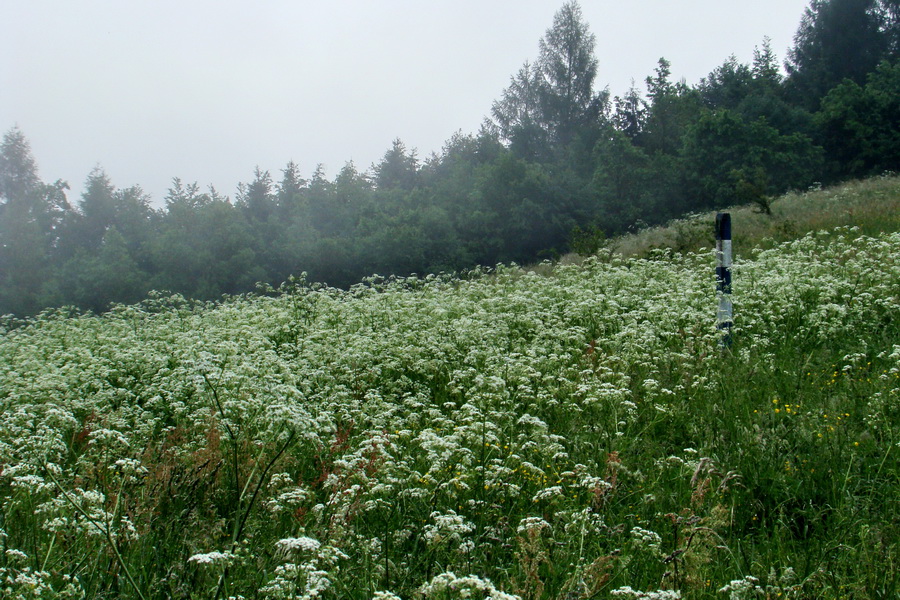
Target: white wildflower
(448, 527)
(548, 493)
(646, 538)
(593, 484)
(127, 466)
(31, 483)
(16, 556)
(109, 437)
(742, 589)
(448, 585)
(527, 419)
(531, 524)
(306, 544)
(209, 558)
(628, 592)
(289, 499)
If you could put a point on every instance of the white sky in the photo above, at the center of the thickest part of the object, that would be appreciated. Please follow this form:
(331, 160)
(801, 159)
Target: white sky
(206, 90)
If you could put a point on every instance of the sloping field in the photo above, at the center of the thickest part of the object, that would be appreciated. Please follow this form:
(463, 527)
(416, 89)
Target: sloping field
(572, 436)
(871, 205)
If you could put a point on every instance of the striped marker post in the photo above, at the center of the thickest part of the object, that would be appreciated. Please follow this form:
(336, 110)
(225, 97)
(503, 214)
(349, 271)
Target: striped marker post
(723, 276)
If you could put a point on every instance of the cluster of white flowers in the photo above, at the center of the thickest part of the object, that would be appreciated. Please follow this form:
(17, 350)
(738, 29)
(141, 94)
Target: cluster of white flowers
(289, 499)
(129, 467)
(627, 592)
(464, 402)
(448, 528)
(308, 579)
(31, 483)
(449, 586)
(548, 494)
(646, 538)
(304, 544)
(743, 589)
(28, 584)
(211, 558)
(780, 585)
(15, 556)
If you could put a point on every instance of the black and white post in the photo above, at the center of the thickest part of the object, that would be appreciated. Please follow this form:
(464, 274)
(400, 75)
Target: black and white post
(723, 275)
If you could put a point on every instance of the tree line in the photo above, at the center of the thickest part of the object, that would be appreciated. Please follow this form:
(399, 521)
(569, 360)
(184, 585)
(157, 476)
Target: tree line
(556, 166)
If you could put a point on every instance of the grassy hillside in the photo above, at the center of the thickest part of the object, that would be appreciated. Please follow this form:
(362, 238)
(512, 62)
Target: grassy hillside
(576, 436)
(871, 205)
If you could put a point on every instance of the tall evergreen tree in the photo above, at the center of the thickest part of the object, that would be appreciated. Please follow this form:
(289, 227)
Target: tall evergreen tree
(31, 213)
(552, 102)
(726, 86)
(103, 206)
(291, 189)
(18, 170)
(765, 65)
(568, 67)
(136, 220)
(517, 115)
(836, 40)
(672, 108)
(398, 168)
(97, 210)
(257, 198)
(630, 115)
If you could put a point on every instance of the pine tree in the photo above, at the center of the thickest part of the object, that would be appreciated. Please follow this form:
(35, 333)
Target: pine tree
(836, 40)
(552, 101)
(567, 68)
(30, 215)
(517, 113)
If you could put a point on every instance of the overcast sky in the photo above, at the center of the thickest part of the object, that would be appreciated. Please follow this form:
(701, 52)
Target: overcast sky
(206, 90)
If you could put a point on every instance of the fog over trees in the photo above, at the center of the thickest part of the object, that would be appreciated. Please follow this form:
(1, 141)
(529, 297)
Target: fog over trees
(557, 164)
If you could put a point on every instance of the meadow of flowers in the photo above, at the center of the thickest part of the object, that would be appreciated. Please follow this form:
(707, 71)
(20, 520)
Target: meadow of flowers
(505, 434)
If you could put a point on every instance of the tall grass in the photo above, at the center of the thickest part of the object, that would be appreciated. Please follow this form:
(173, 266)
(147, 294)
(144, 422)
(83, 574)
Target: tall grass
(576, 436)
(871, 205)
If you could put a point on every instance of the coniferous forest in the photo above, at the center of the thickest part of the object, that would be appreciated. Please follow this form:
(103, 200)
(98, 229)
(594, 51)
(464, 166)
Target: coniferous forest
(557, 165)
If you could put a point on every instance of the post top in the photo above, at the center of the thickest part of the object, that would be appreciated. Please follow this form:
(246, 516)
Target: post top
(723, 226)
